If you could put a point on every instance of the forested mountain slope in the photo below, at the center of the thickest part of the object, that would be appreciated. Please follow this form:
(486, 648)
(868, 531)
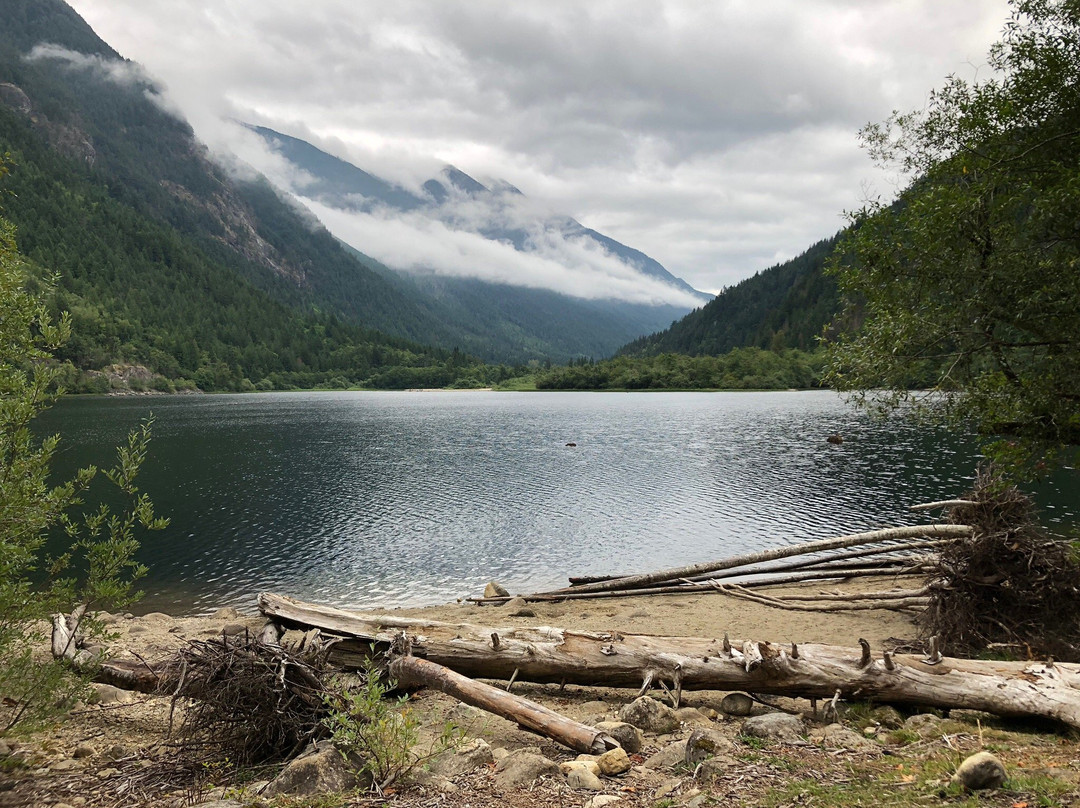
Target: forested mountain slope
(785, 306)
(160, 255)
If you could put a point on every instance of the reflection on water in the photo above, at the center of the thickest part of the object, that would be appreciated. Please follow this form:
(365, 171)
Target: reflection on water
(381, 499)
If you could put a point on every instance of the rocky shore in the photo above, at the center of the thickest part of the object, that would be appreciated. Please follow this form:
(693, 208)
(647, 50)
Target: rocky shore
(717, 748)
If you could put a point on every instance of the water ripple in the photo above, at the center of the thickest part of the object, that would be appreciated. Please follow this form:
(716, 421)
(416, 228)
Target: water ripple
(383, 499)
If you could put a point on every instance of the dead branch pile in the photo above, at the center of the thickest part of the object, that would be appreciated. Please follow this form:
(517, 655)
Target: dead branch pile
(246, 700)
(1009, 584)
(891, 552)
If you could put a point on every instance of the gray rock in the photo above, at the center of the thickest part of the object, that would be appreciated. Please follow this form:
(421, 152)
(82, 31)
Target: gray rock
(233, 629)
(226, 613)
(774, 727)
(888, 717)
(738, 704)
(674, 754)
(138, 630)
(650, 715)
(628, 736)
(65, 765)
(523, 768)
(495, 590)
(581, 778)
(321, 771)
(518, 607)
(84, 750)
(981, 770)
(601, 801)
(705, 743)
(923, 723)
(837, 736)
(465, 758)
(714, 767)
(107, 694)
(693, 716)
(156, 616)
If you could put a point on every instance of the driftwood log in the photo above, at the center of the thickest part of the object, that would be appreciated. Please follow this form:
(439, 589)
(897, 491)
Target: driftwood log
(410, 671)
(544, 654)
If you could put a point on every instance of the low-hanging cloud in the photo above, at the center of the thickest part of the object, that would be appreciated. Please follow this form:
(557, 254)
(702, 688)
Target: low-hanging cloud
(419, 242)
(118, 71)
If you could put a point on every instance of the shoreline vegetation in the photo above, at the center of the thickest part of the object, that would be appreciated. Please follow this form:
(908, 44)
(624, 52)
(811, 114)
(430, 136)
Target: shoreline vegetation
(742, 369)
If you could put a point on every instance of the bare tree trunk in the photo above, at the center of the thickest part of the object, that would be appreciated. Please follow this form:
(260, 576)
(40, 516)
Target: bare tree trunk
(614, 659)
(409, 671)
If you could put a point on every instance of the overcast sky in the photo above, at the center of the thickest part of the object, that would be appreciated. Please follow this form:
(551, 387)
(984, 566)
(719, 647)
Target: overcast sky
(718, 137)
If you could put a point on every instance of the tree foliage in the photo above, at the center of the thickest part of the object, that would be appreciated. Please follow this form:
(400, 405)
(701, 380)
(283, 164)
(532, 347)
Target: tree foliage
(969, 284)
(100, 568)
(740, 369)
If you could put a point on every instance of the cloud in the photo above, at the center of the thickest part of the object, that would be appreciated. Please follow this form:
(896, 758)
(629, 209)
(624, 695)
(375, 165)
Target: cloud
(713, 136)
(125, 74)
(421, 242)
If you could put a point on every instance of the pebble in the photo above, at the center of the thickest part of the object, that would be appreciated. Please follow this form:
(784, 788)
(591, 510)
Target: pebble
(582, 778)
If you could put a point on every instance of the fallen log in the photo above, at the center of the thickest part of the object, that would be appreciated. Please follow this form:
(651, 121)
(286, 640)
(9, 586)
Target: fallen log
(685, 585)
(870, 537)
(410, 671)
(614, 659)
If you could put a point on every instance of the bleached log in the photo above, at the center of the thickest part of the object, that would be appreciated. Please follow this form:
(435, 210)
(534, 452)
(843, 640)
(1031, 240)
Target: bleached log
(945, 503)
(937, 531)
(410, 671)
(614, 659)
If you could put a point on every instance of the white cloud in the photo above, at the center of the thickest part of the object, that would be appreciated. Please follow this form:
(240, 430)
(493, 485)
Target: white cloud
(713, 136)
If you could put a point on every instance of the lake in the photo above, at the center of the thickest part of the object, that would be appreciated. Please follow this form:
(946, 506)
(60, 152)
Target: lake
(377, 499)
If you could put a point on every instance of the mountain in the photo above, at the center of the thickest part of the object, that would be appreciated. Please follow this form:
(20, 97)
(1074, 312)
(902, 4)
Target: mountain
(163, 257)
(786, 306)
(340, 184)
(499, 213)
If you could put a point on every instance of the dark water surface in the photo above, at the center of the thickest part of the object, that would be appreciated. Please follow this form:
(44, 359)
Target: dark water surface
(383, 499)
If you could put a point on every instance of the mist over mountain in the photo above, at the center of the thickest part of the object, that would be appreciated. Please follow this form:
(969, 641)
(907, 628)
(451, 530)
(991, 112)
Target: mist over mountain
(454, 225)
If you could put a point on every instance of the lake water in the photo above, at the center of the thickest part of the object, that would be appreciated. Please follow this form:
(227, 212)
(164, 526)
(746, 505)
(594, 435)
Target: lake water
(380, 499)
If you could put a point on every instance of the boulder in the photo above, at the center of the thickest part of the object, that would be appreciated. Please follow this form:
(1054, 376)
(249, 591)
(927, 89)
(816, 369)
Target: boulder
(779, 727)
(705, 743)
(465, 758)
(738, 704)
(324, 770)
(522, 769)
(628, 736)
(582, 778)
(649, 715)
(495, 590)
(614, 761)
(981, 770)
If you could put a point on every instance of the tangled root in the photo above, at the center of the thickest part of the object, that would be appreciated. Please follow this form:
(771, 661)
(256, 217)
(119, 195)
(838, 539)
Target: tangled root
(247, 701)
(1009, 586)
